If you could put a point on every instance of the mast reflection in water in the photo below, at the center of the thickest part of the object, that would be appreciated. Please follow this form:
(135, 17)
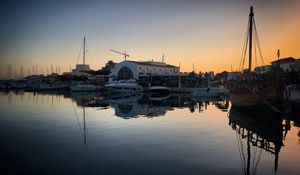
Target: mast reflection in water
(260, 134)
(138, 134)
(133, 105)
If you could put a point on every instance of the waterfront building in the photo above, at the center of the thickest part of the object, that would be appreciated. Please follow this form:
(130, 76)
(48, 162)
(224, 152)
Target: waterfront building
(297, 65)
(233, 76)
(286, 64)
(259, 70)
(136, 69)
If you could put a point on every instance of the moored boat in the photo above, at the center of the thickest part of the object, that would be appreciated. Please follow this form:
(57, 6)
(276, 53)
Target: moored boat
(84, 87)
(210, 92)
(124, 86)
(159, 91)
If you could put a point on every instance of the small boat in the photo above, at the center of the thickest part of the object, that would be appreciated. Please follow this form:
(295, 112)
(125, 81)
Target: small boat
(210, 92)
(124, 86)
(159, 91)
(84, 87)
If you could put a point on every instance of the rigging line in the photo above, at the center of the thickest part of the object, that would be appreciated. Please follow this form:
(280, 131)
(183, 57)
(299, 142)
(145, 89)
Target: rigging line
(242, 151)
(77, 120)
(260, 52)
(245, 41)
(255, 55)
(88, 51)
(254, 157)
(259, 157)
(239, 148)
(257, 44)
(79, 52)
(256, 37)
(245, 53)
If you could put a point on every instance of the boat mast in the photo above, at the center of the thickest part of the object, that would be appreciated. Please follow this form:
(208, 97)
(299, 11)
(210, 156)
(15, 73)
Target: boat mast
(84, 50)
(251, 15)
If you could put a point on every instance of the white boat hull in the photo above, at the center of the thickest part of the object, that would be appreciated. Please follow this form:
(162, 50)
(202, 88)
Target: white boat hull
(82, 88)
(124, 88)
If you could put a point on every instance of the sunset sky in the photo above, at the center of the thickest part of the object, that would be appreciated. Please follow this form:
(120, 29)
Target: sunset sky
(209, 33)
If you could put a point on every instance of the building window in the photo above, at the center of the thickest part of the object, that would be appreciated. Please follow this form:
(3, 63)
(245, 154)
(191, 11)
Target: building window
(125, 73)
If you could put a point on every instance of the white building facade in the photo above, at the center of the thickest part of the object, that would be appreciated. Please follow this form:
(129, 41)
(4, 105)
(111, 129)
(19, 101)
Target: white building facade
(286, 64)
(134, 69)
(233, 75)
(262, 69)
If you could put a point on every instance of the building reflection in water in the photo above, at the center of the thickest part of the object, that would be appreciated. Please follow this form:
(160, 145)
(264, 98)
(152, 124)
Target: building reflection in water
(256, 133)
(128, 105)
(134, 105)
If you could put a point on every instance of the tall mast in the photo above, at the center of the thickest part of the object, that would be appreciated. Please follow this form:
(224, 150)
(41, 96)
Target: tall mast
(251, 15)
(84, 50)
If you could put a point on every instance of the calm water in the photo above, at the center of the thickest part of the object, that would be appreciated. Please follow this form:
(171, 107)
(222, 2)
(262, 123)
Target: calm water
(92, 134)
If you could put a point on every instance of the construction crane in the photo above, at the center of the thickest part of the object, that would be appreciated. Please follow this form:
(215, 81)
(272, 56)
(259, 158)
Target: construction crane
(122, 53)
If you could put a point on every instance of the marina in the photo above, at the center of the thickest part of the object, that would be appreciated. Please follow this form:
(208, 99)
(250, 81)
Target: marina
(160, 87)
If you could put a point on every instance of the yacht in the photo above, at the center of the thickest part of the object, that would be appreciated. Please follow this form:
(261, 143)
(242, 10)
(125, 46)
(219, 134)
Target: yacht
(159, 91)
(124, 86)
(84, 87)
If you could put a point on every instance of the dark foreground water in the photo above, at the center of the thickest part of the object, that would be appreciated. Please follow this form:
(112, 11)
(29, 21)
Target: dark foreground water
(137, 134)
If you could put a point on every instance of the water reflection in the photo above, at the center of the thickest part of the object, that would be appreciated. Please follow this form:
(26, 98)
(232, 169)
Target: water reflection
(134, 105)
(264, 131)
(259, 138)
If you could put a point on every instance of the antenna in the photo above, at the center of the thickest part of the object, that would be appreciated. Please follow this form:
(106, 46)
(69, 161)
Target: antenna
(193, 68)
(122, 53)
(163, 58)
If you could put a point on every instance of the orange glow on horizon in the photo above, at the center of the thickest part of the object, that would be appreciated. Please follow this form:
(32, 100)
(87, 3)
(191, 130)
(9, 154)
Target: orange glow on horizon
(211, 40)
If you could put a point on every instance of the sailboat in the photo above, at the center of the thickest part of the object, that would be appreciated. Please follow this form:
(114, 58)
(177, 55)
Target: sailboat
(248, 92)
(80, 70)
